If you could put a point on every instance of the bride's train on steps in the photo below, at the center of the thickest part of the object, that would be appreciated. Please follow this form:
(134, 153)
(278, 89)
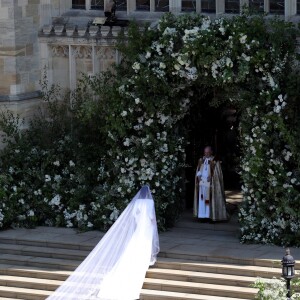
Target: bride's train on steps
(116, 267)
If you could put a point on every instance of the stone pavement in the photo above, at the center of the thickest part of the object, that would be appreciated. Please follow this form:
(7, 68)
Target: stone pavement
(189, 239)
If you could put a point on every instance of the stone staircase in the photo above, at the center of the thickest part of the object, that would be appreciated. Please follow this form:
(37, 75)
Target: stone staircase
(33, 269)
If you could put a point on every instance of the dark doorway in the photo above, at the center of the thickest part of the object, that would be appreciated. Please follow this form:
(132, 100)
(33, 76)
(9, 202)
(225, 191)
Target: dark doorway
(217, 127)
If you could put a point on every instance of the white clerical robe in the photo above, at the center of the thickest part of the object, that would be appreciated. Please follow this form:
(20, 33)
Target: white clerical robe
(204, 174)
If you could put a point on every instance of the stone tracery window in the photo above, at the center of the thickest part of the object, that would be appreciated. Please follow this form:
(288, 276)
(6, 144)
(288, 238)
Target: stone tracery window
(257, 5)
(188, 5)
(121, 4)
(162, 5)
(78, 4)
(97, 4)
(232, 6)
(277, 7)
(143, 5)
(208, 6)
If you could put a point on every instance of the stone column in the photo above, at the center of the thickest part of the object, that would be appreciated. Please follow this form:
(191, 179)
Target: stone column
(175, 6)
(131, 6)
(88, 4)
(267, 6)
(152, 5)
(220, 7)
(72, 68)
(198, 6)
(290, 9)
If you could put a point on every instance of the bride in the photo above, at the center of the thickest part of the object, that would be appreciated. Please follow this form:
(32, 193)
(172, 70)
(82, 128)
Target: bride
(116, 268)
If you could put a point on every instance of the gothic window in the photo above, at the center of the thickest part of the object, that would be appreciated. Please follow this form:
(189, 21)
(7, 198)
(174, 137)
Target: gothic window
(143, 5)
(78, 4)
(208, 6)
(256, 5)
(277, 7)
(162, 5)
(298, 7)
(97, 4)
(121, 4)
(232, 6)
(188, 5)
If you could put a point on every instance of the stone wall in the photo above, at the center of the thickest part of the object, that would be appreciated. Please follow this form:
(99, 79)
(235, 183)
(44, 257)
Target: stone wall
(20, 69)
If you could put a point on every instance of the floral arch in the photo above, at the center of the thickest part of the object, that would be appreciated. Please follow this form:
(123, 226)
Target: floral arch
(250, 60)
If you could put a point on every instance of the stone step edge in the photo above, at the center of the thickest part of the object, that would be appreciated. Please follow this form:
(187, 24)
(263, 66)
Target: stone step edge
(145, 294)
(14, 290)
(43, 243)
(275, 263)
(192, 276)
(165, 295)
(42, 251)
(14, 281)
(70, 265)
(206, 286)
(154, 273)
(187, 263)
(216, 270)
(166, 254)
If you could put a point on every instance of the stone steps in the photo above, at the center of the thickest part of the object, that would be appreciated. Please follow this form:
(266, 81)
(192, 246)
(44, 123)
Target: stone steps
(31, 270)
(219, 268)
(166, 295)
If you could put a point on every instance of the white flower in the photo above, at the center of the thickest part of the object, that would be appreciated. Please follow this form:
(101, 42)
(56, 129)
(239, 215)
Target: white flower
(148, 54)
(293, 180)
(229, 62)
(162, 65)
(55, 200)
(57, 178)
(126, 142)
(222, 30)
(124, 113)
(136, 66)
(149, 122)
(243, 39)
(30, 213)
(71, 163)
(56, 163)
(137, 100)
(90, 225)
(289, 174)
(271, 171)
(47, 178)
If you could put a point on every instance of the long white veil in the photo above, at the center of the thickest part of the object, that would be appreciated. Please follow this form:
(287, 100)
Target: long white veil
(116, 267)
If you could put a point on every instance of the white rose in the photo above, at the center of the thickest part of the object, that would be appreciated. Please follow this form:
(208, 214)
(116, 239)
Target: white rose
(124, 113)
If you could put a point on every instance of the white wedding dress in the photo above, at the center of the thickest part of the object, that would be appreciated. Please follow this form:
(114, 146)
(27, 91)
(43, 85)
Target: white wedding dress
(116, 268)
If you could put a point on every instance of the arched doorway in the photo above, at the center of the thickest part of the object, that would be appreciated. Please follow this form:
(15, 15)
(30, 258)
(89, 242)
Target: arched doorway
(217, 127)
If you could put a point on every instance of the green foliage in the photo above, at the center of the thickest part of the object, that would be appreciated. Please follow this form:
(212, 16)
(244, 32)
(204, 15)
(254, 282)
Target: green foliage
(275, 289)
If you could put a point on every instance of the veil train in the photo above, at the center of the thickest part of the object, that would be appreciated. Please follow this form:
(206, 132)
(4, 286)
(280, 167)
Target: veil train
(116, 267)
